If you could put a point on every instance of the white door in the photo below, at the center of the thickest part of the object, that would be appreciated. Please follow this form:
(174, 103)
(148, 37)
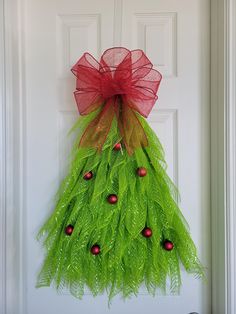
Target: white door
(175, 36)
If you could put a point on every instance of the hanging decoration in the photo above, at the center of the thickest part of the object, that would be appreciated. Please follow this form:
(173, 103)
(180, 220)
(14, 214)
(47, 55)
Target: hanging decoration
(116, 223)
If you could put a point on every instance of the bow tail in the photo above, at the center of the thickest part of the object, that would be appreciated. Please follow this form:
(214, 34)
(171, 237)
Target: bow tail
(96, 132)
(131, 129)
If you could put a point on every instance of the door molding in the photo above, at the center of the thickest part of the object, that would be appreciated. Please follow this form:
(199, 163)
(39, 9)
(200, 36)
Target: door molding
(217, 157)
(2, 165)
(223, 155)
(230, 154)
(13, 146)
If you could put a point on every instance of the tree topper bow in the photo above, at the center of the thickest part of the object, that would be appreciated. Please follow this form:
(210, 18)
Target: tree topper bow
(122, 84)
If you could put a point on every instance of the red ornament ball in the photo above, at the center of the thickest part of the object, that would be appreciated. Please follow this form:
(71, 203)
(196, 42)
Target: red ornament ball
(112, 199)
(168, 245)
(95, 249)
(88, 175)
(69, 229)
(117, 146)
(141, 172)
(147, 232)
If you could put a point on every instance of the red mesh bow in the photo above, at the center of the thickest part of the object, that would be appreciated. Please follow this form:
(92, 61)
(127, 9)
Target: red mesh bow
(122, 84)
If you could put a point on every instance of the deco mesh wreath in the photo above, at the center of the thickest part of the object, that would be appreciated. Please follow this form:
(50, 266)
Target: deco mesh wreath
(116, 224)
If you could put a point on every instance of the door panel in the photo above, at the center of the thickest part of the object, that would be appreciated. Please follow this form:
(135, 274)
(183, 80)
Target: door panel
(175, 37)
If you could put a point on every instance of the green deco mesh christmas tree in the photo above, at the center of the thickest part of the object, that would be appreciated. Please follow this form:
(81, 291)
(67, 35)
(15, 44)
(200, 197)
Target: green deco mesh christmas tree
(116, 224)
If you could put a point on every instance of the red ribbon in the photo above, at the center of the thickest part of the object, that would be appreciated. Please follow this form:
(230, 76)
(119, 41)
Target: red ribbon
(122, 84)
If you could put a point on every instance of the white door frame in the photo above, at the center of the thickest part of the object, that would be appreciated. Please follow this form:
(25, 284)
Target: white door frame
(223, 156)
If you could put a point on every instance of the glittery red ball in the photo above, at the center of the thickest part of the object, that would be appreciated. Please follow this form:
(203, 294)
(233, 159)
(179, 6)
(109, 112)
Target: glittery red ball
(168, 245)
(141, 172)
(69, 229)
(147, 232)
(88, 175)
(117, 146)
(95, 249)
(112, 199)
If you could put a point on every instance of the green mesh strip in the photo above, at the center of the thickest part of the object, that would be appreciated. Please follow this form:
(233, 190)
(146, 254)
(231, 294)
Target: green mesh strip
(127, 259)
